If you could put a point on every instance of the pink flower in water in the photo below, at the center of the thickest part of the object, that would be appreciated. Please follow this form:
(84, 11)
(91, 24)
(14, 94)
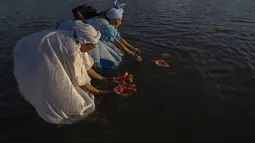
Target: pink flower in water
(161, 63)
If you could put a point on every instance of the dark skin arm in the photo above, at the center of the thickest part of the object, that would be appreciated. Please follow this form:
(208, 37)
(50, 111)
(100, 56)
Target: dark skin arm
(93, 90)
(90, 88)
(94, 74)
(129, 45)
(124, 48)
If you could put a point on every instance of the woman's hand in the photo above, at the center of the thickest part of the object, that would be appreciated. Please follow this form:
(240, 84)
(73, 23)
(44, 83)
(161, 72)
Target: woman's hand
(104, 92)
(94, 74)
(104, 80)
(139, 58)
(107, 80)
(136, 50)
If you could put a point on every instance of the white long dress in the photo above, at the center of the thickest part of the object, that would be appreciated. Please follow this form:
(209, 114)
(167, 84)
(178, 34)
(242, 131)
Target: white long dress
(49, 68)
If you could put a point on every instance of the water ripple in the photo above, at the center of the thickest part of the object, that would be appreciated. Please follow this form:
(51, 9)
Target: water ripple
(210, 42)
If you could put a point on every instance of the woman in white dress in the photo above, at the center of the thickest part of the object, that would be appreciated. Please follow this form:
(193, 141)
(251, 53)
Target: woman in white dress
(53, 72)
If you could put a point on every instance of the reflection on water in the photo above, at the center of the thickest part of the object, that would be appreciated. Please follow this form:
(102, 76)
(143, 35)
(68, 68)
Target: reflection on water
(206, 96)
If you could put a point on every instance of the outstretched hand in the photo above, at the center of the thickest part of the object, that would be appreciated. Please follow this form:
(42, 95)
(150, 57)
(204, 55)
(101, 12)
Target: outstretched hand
(136, 50)
(105, 92)
(108, 80)
(139, 58)
(105, 80)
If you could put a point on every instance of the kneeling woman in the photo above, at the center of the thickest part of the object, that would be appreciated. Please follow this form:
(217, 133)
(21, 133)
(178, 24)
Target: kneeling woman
(53, 71)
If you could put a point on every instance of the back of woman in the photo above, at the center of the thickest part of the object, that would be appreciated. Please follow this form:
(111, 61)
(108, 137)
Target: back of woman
(96, 22)
(43, 80)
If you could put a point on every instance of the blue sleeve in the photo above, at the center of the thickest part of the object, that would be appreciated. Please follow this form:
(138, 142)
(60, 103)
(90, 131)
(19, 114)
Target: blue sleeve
(109, 33)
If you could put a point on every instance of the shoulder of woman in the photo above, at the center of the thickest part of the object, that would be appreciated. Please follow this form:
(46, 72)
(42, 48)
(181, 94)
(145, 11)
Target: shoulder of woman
(102, 21)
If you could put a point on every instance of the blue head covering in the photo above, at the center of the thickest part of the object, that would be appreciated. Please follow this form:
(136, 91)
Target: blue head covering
(116, 12)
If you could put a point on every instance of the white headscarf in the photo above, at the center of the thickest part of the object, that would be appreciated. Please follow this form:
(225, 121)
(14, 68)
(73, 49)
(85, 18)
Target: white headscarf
(85, 33)
(114, 13)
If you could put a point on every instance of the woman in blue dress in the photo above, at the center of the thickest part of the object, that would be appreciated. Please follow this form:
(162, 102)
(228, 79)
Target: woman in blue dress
(107, 54)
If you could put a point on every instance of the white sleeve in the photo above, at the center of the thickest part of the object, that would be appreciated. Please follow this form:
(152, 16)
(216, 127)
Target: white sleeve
(89, 62)
(77, 69)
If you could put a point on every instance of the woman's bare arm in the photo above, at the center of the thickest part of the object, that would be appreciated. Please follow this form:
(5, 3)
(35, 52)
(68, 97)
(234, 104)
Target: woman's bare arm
(94, 74)
(124, 48)
(90, 88)
(126, 43)
(93, 90)
(129, 45)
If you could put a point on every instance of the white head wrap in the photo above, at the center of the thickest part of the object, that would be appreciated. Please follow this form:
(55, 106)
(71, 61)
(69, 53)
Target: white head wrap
(85, 33)
(114, 13)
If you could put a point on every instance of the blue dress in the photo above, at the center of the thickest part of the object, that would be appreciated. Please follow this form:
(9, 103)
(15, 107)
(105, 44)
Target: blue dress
(106, 54)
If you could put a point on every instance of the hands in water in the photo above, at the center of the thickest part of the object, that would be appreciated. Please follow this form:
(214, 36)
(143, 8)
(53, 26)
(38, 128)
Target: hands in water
(105, 92)
(107, 80)
(136, 50)
(139, 58)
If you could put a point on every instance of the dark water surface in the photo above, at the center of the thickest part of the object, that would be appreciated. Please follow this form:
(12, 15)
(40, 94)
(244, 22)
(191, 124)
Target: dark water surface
(207, 95)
